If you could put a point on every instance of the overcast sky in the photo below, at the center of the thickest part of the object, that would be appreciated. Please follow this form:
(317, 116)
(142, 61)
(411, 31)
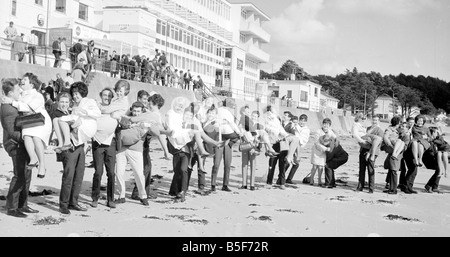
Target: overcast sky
(386, 36)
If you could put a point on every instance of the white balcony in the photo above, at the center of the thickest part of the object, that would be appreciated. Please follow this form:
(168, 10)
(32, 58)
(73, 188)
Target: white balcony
(253, 28)
(256, 53)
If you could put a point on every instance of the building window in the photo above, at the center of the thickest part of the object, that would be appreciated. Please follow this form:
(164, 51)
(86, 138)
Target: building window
(289, 94)
(316, 91)
(39, 2)
(61, 6)
(83, 12)
(304, 96)
(14, 7)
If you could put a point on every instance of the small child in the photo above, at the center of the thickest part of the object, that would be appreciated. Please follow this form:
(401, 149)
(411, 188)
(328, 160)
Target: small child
(318, 158)
(420, 136)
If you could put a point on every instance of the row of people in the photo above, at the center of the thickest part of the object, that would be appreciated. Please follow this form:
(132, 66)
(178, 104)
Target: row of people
(190, 132)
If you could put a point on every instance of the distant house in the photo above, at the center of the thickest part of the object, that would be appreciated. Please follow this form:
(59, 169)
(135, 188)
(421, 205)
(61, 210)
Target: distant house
(302, 94)
(327, 101)
(384, 107)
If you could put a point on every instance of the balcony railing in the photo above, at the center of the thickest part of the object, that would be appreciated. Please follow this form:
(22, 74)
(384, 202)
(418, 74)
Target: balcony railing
(256, 53)
(254, 29)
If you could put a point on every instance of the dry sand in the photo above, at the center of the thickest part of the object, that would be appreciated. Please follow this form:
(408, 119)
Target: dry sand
(297, 211)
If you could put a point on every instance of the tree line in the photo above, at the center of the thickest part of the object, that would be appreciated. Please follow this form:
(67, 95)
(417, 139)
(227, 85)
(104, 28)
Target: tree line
(360, 90)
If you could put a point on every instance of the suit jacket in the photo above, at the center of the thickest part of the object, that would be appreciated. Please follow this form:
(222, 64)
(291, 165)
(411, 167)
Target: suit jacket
(337, 156)
(10, 132)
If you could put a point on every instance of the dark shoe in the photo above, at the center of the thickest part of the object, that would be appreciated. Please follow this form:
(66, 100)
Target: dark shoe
(360, 189)
(64, 211)
(290, 182)
(401, 187)
(391, 192)
(145, 202)
(120, 201)
(226, 189)
(370, 191)
(213, 188)
(243, 187)
(17, 214)
(436, 191)
(28, 210)
(253, 188)
(77, 208)
(407, 191)
(332, 187)
(111, 205)
(386, 191)
(135, 197)
(41, 176)
(94, 204)
(412, 191)
(428, 189)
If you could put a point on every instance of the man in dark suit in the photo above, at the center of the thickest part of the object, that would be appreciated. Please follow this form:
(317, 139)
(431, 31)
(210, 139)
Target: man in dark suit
(75, 50)
(17, 199)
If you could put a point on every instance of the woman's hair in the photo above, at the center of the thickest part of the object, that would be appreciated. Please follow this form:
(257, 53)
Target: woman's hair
(79, 87)
(395, 121)
(325, 140)
(63, 95)
(420, 116)
(358, 117)
(33, 80)
(326, 121)
(303, 117)
(157, 100)
(122, 84)
(8, 85)
(142, 93)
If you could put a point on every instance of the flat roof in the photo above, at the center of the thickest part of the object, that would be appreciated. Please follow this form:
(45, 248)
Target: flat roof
(255, 9)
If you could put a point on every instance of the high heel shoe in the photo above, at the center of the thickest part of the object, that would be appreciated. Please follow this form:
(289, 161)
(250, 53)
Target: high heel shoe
(32, 166)
(42, 176)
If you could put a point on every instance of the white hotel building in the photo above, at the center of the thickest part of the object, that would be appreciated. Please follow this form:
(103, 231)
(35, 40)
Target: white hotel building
(215, 39)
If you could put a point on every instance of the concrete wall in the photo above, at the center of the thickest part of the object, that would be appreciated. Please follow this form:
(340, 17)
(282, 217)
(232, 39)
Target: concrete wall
(12, 69)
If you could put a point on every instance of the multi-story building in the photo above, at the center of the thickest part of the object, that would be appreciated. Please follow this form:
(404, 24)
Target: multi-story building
(302, 94)
(50, 19)
(215, 39)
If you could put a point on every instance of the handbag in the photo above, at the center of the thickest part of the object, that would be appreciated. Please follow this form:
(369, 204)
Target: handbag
(245, 145)
(31, 120)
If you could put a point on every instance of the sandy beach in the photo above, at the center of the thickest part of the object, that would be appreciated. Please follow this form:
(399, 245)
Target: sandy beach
(300, 210)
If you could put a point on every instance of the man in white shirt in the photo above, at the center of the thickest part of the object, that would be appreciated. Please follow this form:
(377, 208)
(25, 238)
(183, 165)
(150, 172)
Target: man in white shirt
(33, 41)
(104, 152)
(302, 132)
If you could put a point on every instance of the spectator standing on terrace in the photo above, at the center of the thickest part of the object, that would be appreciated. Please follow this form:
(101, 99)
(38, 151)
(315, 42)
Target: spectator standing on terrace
(10, 31)
(56, 45)
(33, 41)
(75, 50)
(11, 34)
(19, 48)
